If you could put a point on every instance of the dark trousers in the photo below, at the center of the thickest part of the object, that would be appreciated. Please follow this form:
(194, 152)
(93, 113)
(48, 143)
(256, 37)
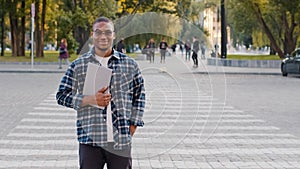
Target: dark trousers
(187, 54)
(152, 56)
(195, 58)
(91, 157)
(162, 55)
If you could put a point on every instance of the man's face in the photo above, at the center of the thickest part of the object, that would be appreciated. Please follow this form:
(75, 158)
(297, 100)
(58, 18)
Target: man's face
(103, 36)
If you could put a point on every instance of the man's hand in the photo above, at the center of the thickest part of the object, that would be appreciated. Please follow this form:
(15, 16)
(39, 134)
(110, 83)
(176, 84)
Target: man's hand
(102, 98)
(132, 129)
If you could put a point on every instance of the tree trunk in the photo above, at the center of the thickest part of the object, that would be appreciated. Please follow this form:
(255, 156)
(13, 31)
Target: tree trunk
(14, 36)
(289, 41)
(39, 31)
(2, 28)
(81, 34)
(43, 26)
(21, 49)
(268, 31)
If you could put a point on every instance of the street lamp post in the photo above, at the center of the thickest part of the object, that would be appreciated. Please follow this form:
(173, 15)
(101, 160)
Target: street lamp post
(223, 31)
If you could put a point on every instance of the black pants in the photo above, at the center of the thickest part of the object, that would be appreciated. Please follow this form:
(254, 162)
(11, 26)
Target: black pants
(195, 58)
(91, 157)
(162, 55)
(152, 56)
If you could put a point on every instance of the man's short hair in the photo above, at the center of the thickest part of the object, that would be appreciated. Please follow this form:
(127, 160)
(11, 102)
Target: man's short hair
(103, 19)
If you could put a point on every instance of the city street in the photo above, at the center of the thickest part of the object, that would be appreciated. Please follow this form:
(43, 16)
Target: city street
(194, 118)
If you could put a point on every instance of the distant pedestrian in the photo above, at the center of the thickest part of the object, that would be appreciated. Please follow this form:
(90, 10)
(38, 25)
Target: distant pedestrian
(173, 47)
(195, 51)
(187, 47)
(146, 51)
(121, 46)
(163, 45)
(63, 52)
(181, 47)
(151, 48)
(203, 49)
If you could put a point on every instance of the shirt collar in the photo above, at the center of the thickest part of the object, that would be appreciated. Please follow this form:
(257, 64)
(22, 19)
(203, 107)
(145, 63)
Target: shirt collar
(115, 54)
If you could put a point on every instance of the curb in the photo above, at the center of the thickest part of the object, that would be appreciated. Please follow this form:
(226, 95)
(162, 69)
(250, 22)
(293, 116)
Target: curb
(239, 73)
(32, 71)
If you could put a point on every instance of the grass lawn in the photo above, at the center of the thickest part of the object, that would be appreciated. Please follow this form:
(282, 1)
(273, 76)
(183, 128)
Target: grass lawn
(253, 57)
(52, 56)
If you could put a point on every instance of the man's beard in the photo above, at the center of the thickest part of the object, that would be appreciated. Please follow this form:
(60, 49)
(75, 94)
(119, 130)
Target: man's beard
(102, 49)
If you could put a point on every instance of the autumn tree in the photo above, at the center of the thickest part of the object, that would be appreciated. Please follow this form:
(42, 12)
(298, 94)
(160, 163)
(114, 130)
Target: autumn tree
(16, 11)
(276, 18)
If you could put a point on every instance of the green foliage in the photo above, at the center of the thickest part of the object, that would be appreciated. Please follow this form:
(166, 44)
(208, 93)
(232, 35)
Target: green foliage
(245, 19)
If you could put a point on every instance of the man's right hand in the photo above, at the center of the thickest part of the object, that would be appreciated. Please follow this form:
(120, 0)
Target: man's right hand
(102, 97)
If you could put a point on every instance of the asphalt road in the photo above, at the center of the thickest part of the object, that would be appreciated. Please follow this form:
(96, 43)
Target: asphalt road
(274, 99)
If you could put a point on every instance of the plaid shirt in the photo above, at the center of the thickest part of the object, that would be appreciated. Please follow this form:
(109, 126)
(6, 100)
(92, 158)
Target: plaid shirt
(127, 103)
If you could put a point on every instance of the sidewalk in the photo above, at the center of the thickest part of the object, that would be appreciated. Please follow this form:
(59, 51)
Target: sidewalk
(202, 69)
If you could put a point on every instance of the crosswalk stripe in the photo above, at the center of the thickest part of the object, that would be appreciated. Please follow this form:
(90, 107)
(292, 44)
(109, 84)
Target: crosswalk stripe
(39, 163)
(152, 134)
(41, 135)
(160, 127)
(177, 121)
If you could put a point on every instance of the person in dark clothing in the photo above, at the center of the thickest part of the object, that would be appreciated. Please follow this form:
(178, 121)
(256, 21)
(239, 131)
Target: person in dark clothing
(187, 47)
(203, 49)
(121, 46)
(195, 51)
(163, 45)
(151, 49)
(173, 47)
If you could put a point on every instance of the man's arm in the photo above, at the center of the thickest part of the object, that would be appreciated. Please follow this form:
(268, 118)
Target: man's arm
(138, 101)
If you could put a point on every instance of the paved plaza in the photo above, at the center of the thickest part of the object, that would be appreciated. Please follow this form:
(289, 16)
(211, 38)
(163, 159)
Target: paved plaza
(188, 124)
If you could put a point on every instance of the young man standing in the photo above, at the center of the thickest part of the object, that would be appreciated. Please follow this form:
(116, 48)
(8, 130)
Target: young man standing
(105, 134)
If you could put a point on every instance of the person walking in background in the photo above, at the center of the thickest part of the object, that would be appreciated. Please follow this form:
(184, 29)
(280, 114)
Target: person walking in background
(105, 133)
(195, 51)
(173, 47)
(63, 52)
(181, 46)
(121, 46)
(203, 49)
(146, 51)
(163, 45)
(187, 47)
(152, 47)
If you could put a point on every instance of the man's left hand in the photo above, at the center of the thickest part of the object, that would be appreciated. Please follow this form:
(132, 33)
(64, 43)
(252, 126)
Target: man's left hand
(132, 129)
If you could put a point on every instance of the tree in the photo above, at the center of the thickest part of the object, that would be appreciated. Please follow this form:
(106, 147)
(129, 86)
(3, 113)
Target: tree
(40, 27)
(17, 24)
(2, 14)
(277, 18)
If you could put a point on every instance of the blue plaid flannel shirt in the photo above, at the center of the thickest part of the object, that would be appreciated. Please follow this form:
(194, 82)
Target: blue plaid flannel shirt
(128, 100)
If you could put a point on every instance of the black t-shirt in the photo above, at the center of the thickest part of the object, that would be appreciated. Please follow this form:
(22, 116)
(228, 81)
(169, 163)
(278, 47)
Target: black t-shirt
(163, 45)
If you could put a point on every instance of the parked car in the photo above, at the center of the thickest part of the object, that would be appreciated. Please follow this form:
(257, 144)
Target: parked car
(291, 64)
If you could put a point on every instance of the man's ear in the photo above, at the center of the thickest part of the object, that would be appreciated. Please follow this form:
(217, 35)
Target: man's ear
(114, 36)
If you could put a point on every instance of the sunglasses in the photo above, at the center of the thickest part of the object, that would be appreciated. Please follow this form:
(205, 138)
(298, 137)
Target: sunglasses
(98, 32)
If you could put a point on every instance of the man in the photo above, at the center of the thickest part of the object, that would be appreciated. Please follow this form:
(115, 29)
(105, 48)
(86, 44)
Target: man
(105, 135)
(163, 45)
(121, 46)
(195, 51)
